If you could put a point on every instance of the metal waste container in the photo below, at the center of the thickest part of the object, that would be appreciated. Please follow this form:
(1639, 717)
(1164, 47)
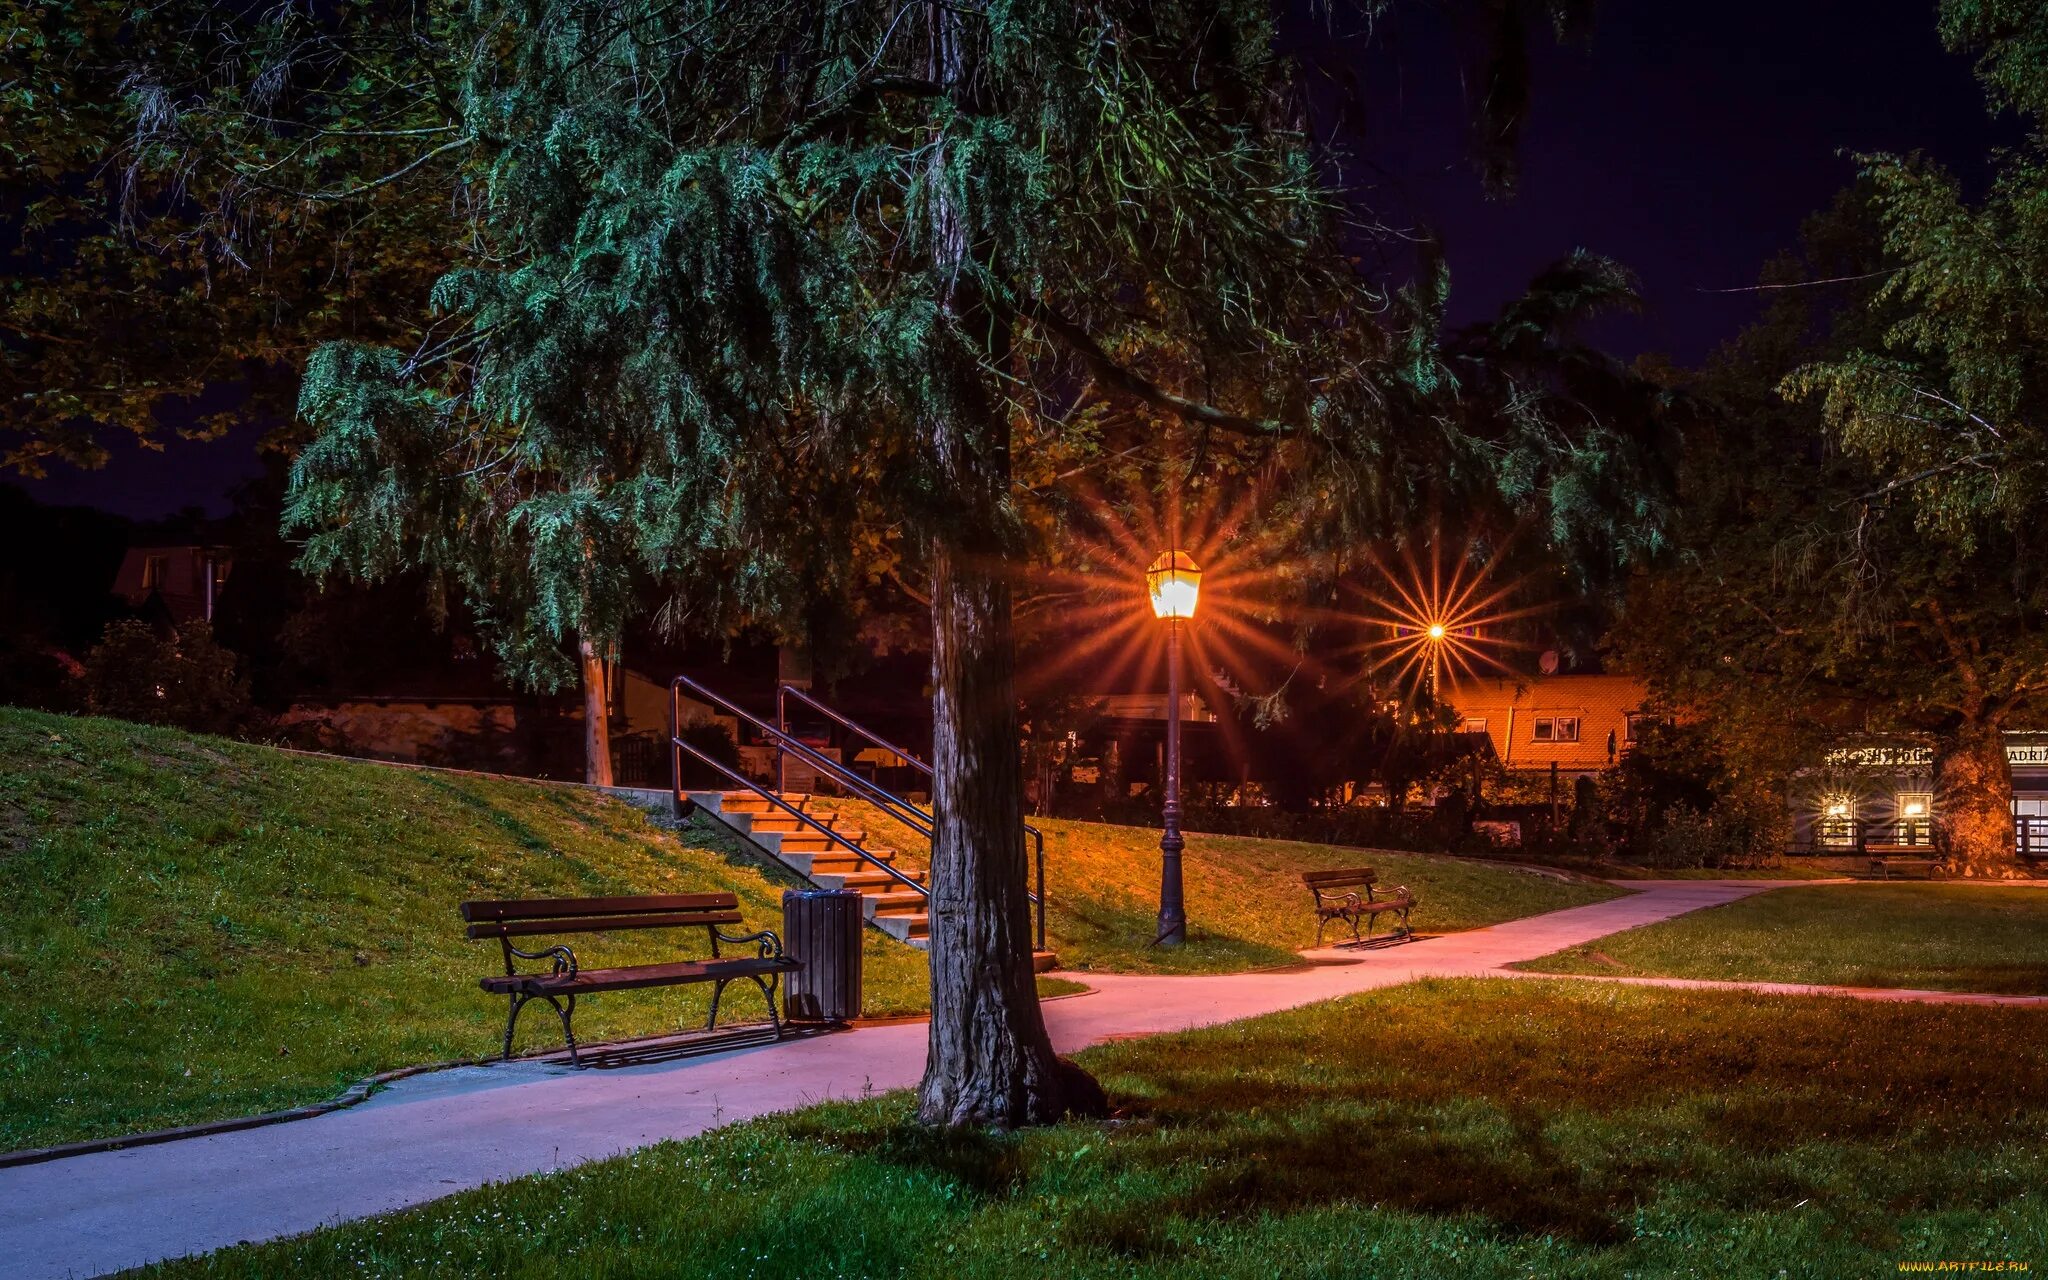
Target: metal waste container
(821, 927)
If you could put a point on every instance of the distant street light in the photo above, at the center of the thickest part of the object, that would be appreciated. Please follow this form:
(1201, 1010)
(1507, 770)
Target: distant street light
(1175, 583)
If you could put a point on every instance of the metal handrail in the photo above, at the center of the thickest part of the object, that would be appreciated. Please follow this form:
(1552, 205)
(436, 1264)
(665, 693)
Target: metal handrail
(909, 814)
(784, 691)
(676, 737)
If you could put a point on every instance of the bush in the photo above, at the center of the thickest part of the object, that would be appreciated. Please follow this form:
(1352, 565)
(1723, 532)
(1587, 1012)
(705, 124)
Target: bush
(1733, 831)
(179, 677)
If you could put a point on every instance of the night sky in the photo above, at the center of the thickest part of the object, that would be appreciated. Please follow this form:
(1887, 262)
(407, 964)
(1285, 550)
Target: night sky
(1688, 141)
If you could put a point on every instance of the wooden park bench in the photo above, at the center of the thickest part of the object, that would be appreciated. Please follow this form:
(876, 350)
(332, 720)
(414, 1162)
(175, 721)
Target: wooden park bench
(1882, 865)
(566, 978)
(1337, 898)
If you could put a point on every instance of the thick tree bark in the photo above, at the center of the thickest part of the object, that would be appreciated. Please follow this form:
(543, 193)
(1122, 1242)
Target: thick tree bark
(991, 1061)
(597, 718)
(1973, 828)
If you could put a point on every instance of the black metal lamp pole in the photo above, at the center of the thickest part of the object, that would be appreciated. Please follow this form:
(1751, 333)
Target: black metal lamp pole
(1173, 921)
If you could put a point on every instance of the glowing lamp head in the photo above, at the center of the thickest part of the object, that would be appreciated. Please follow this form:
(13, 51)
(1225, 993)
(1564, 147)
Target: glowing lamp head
(1916, 808)
(1837, 808)
(1174, 581)
(1436, 631)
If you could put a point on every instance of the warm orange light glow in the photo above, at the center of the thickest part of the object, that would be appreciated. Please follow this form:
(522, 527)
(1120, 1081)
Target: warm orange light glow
(1175, 583)
(1438, 622)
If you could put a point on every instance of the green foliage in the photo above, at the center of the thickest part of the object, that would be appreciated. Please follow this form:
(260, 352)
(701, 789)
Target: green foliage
(175, 677)
(1809, 596)
(170, 172)
(1949, 401)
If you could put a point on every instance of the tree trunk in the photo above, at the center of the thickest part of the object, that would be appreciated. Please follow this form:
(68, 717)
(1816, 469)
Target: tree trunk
(597, 718)
(1973, 804)
(990, 1061)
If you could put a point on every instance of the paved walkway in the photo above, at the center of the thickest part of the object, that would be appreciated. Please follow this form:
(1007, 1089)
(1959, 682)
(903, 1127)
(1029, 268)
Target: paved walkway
(430, 1136)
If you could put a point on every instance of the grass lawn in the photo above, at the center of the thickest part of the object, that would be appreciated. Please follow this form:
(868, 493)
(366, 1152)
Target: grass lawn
(1245, 901)
(1943, 937)
(196, 928)
(1480, 1129)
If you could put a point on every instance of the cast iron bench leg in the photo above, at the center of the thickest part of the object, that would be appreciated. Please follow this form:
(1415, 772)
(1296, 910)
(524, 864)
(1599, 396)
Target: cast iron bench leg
(519, 999)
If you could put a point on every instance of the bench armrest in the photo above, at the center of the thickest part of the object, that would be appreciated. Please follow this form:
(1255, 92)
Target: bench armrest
(564, 958)
(770, 945)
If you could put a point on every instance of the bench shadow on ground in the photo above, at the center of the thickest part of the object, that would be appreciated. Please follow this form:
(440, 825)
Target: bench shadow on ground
(646, 1053)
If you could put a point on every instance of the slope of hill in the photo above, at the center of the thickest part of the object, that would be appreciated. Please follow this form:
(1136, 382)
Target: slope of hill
(197, 928)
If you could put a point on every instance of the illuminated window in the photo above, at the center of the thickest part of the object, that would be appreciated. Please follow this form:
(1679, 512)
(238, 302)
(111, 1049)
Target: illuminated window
(1639, 723)
(1557, 729)
(1473, 724)
(154, 571)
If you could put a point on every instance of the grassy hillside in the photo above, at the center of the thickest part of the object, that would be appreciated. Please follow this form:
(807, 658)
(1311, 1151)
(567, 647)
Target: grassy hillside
(1245, 901)
(197, 928)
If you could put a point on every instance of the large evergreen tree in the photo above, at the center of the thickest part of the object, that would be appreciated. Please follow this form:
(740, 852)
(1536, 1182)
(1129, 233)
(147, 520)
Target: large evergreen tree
(754, 299)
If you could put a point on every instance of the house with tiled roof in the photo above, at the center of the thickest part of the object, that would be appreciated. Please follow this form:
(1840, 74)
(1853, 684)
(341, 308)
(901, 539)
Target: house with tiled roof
(1579, 723)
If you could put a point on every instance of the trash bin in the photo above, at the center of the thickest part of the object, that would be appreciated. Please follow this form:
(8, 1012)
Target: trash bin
(821, 927)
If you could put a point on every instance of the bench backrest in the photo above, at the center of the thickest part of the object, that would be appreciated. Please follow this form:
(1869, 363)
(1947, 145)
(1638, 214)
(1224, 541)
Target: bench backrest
(1322, 882)
(495, 919)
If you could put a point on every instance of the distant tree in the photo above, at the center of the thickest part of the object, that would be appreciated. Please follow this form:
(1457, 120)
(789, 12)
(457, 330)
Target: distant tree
(1943, 395)
(179, 678)
(1810, 599)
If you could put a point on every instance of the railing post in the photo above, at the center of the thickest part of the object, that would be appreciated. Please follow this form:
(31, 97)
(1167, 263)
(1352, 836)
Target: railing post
(675, 754)
(1038, 839)
(781, 728)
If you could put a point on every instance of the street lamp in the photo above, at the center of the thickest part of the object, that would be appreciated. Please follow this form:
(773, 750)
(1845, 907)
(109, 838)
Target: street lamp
(1174, 582)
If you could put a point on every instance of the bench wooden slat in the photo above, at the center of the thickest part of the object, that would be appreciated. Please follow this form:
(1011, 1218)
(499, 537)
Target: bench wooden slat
(645, 975)
(562, 908)
(601, 924)
(1339, 879)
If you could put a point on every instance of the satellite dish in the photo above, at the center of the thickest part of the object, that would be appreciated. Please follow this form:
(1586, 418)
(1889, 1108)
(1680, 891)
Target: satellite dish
(1548, 662)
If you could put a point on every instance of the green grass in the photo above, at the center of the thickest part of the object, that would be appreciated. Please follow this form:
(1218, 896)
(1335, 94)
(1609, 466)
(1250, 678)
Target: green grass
(1443, 1129)
(197, 928)
(1942, 937)
(1246, 905)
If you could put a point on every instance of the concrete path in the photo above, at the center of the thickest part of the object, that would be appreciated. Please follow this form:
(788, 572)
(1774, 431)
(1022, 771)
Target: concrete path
(430, 1136)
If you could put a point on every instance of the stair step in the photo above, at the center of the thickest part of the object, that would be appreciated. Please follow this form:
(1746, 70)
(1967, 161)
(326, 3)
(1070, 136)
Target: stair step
(895, 902)
(912, 929)
(864, 881)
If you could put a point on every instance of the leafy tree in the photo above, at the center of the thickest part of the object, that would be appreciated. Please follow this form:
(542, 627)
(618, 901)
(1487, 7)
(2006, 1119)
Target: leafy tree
(1942, 393)
(757, 304)
(1810, 601)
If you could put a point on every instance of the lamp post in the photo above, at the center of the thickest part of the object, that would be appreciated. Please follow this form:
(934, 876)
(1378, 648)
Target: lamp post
(1174, 582)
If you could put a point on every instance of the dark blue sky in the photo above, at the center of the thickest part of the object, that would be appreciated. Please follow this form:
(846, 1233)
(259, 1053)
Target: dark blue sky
(1688, 141)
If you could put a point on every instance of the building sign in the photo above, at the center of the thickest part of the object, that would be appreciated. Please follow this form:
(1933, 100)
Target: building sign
(1895, 757)
(1882, 757)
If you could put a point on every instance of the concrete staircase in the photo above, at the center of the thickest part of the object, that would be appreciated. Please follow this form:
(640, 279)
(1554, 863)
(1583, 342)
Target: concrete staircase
(829, 861)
